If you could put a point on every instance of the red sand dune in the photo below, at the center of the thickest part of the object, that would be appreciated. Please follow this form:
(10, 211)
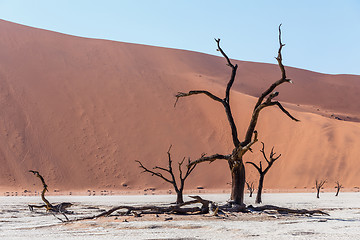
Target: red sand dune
(81, 111)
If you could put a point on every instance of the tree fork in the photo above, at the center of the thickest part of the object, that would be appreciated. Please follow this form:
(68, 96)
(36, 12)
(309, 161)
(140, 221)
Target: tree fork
(240, 148)
(179, 188)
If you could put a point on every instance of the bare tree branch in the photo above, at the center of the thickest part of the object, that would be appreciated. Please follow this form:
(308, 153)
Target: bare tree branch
(154, 173)
(223, 53)
(338, 185)
(272, 155)
(189, 169)
(233, 72)
(263, 152)
(161, 168)
(195, 92)
(179, 187)
(320, 183)
(170, 168)
(255, 166)
(180, 169)
(284, 110)
(209, 159)
(279, 58)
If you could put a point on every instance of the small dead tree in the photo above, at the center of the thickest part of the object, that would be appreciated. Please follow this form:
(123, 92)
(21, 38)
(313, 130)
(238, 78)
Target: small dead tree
(250, 187)
(338, 187)
(319, 185)
(59, 208)
(172, 180)
(266, 99)
(270, 161)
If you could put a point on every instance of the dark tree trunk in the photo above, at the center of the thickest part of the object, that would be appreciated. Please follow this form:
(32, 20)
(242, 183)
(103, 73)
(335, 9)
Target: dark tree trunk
(261, 183)
(238, 184)
(337, 192)
(319, 185)
(179, 198)
(250, 194)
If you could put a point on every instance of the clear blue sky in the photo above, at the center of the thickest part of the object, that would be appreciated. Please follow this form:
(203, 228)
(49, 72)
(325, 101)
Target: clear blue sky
(320, 35)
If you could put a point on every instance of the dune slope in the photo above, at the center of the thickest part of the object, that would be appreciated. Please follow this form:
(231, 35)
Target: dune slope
(81, 111)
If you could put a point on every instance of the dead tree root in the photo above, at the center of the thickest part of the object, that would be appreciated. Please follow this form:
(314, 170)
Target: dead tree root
(205, 208)
(172, 209)
(282, 210)
(59, 208)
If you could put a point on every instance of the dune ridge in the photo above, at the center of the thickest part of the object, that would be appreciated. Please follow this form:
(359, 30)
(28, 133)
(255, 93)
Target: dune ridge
(81, 111)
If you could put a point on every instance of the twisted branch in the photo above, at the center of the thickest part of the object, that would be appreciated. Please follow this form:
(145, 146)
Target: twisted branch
(194, 92)
(209, 159)
(48, 204)
(60, 208)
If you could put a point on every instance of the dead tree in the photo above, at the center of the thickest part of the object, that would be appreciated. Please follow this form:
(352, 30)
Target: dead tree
(338, 187)
(172, 180)
(266, 99)
(58, 208)
(319, 185)
(270, 161)
(250, 187)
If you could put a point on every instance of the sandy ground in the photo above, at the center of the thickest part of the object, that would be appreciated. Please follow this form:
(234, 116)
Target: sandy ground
(17, 222)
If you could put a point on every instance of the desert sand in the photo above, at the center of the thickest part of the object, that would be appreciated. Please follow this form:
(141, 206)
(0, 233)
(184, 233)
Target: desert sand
(81, 111)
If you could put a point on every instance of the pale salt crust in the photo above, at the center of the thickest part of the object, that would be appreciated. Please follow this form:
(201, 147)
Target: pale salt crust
(17, 222)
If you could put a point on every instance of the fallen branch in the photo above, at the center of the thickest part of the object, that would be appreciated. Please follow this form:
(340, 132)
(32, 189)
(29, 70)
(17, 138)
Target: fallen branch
(151, 209)
(283, 210)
